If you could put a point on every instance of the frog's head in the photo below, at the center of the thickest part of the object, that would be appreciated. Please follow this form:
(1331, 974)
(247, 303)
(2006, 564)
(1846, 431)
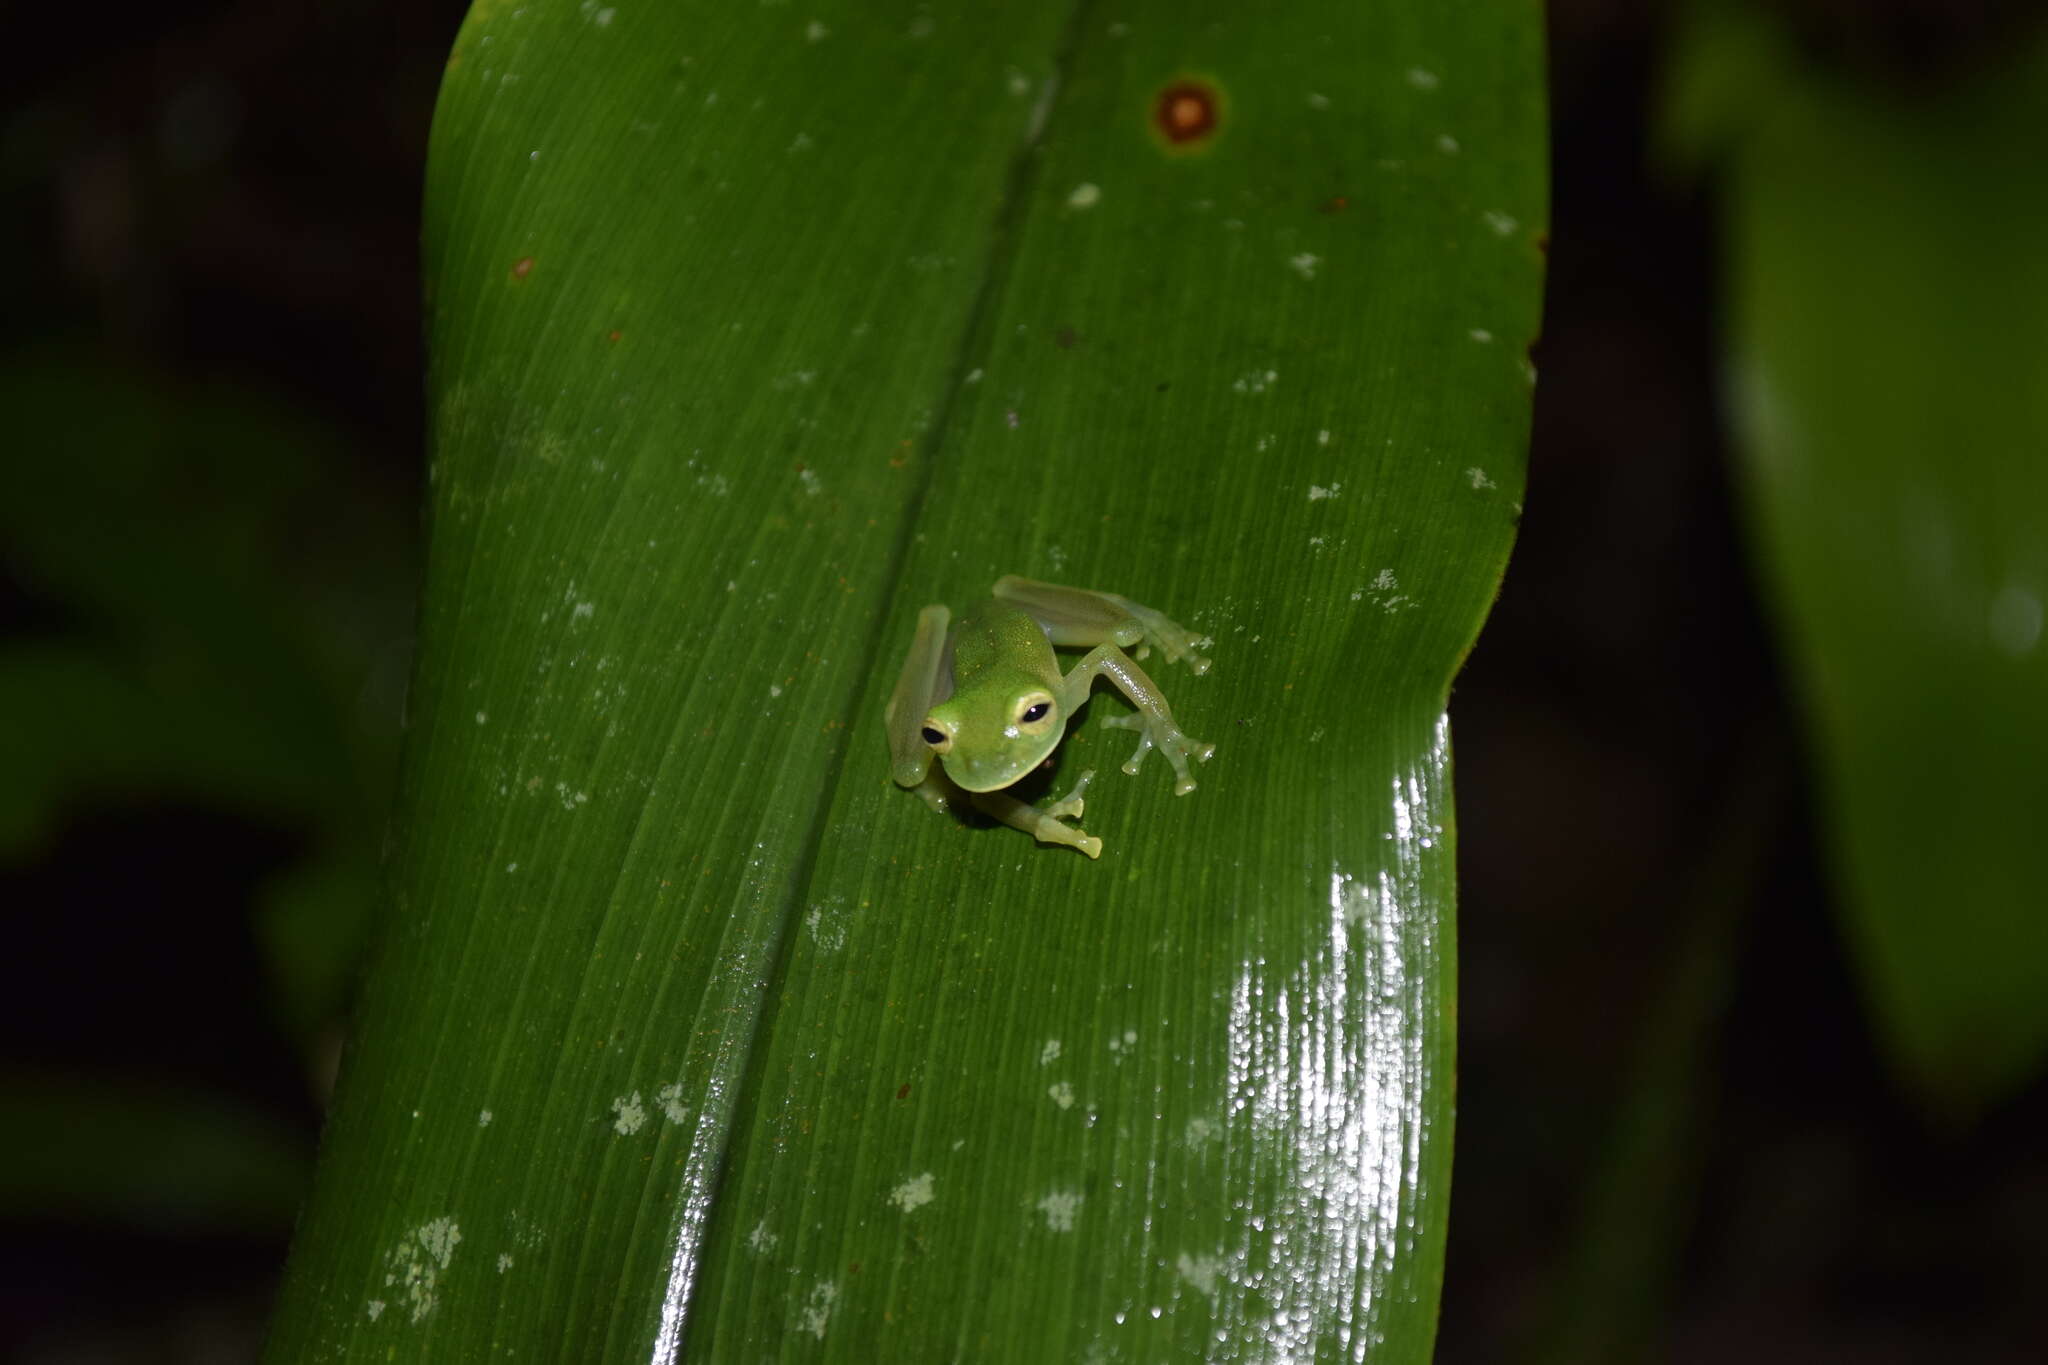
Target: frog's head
(997, 732)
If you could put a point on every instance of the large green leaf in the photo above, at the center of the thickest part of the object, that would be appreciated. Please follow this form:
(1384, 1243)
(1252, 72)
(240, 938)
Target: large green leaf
(754, 330)
(1886, 287)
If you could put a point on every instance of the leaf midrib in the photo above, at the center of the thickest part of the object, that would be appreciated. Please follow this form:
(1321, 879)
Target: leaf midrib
(998, 259)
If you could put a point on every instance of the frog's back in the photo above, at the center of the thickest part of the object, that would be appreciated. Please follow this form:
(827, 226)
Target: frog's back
(993, 635)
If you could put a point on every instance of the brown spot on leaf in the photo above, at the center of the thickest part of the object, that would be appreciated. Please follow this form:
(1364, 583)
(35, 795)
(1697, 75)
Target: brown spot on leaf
(1066, 338)
(1186, 113)
(522, 267)
(903, 1091)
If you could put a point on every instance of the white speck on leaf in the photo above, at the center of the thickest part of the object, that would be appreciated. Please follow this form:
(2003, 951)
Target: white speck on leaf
(670, 1098)
(817, 1309)
(504, 1261)
(1050, 1053)
(1256, 381)
(913, 1193)
(828, 929)
(1478, 478)
(1305, 264)
(1086, 195)
(1318, 493)
(483, 1119)
(762, 1239)
(816, 32)
(375, 1308)
(417, 1262)
(1502, 224)
(1480, 335)
(1200, 1271)
(632, 1114)
(1062, 1093)
(1422, 79)
(1060, 1208)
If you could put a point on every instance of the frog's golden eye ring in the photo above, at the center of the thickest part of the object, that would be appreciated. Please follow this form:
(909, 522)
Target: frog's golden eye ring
(1033, 709)
(937, 738)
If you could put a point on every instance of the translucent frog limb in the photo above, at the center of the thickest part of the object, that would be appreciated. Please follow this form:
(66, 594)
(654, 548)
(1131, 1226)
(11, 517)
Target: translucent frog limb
(1154, 720)
(1085, 618)
(938, 791)
(925, 679)
(1043, 825)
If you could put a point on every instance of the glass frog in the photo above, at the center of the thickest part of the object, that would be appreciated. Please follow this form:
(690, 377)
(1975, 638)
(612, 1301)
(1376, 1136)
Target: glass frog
(984, 695)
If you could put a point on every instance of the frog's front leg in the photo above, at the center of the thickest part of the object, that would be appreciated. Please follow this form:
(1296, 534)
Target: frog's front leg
(1154, 720)
(1042, 825)
(925, 679)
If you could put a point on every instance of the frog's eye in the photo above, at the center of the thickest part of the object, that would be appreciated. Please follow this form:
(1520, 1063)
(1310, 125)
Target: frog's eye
(1034, 709)
(937, 738)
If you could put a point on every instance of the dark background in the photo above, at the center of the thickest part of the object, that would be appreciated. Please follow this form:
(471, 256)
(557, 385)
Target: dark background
(1676, 1139)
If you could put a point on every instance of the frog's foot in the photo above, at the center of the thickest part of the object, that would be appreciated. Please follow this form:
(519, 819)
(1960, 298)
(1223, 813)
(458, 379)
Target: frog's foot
(1171, 638)
(1070, 806)
(936, 791)
(1170, 740)
(1043, 825)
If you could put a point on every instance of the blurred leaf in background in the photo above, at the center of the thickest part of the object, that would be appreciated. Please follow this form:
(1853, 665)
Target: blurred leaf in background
(1886, 286)
(221, 616)
(209, 359)
(754, 331)
(213, 613)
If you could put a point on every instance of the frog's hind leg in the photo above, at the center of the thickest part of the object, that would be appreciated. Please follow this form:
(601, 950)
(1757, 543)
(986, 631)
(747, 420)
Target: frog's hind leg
(1084, 617)
(925, 679)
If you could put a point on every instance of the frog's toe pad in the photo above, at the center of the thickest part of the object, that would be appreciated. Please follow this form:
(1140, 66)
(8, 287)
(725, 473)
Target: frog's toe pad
(1070, 806)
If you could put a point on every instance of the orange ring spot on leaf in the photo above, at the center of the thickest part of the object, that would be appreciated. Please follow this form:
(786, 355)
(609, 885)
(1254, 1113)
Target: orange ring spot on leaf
(1186, 114)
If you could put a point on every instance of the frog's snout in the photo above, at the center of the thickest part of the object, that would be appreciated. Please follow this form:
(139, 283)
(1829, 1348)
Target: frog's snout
(984, 774)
